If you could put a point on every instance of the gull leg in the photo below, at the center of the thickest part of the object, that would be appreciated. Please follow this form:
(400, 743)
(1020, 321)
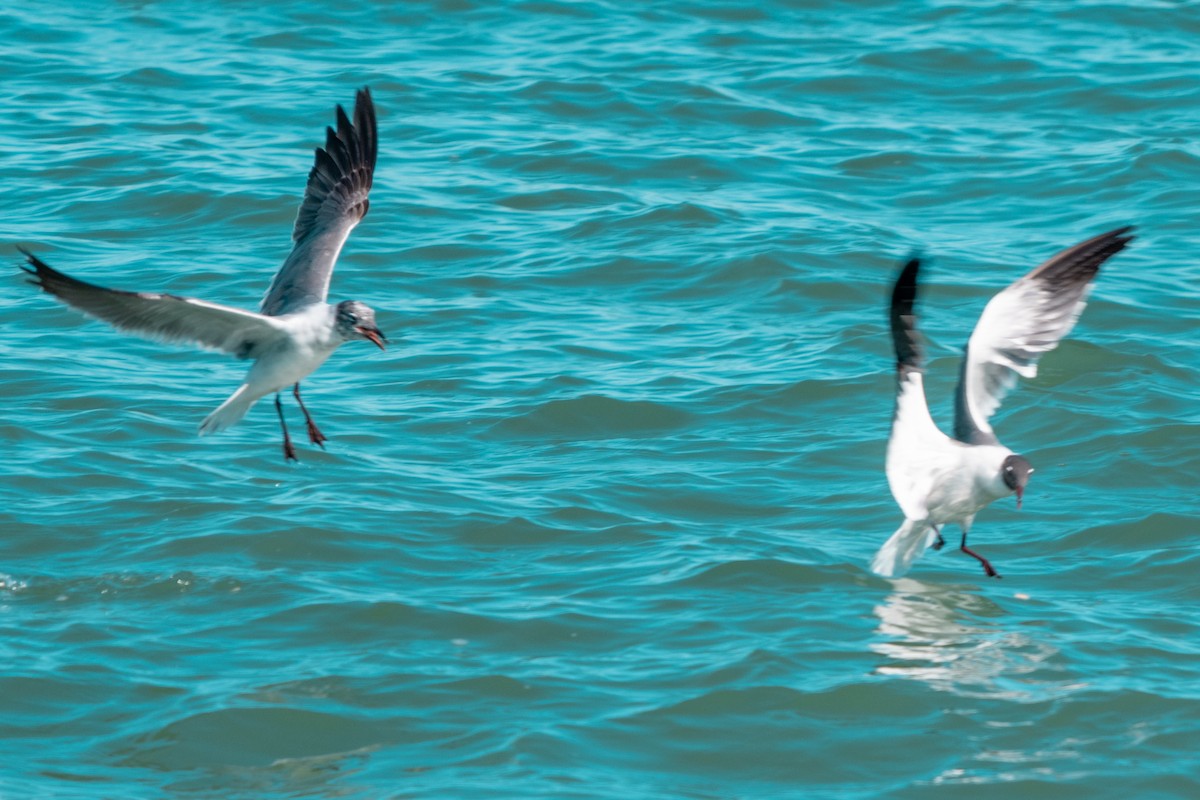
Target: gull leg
(314, 433)
(987, 566)
(289, 452)
(940, 543)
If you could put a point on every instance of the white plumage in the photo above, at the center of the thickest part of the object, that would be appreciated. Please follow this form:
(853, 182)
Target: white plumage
(296, 330)
(937, 479)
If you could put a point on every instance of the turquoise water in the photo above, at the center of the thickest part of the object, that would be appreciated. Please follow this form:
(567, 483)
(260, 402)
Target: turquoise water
(597, 525)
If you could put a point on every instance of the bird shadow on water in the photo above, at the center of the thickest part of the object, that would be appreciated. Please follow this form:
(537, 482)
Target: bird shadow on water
(954, 639)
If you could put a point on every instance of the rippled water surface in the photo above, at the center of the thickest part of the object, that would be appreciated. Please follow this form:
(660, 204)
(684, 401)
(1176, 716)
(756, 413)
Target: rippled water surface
(597, 524)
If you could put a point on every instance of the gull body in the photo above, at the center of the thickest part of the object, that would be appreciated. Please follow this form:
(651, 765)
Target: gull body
(295, 329)
(937, 479)
(307, 338)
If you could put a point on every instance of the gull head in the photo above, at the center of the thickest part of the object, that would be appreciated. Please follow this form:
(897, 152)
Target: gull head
(356, 320)
(1016, 471)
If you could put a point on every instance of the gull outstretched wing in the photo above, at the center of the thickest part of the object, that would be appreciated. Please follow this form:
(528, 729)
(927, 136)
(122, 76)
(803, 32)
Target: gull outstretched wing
(165, 317)
(1021, 324)
(334, 202)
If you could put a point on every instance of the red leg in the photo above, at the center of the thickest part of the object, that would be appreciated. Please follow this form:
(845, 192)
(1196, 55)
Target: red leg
(987, 566)
(289, 452)
(314, 433)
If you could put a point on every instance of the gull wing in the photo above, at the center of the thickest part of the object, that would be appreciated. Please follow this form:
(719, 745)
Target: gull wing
(1020, 324)
(334, 202)
(917, 450)
(165, 317)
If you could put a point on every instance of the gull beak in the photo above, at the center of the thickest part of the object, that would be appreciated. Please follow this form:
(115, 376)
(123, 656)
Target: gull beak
(1020, 494)
(375, 335)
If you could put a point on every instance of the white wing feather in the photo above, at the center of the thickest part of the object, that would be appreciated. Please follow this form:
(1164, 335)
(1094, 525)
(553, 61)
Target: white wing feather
(1020, 325)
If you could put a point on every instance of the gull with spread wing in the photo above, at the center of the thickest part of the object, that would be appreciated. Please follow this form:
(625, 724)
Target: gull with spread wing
(295, 330)
(937, 479)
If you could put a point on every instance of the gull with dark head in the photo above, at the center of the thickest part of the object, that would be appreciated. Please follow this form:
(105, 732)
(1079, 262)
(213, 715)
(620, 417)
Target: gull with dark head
(937, 479)
(295, 329)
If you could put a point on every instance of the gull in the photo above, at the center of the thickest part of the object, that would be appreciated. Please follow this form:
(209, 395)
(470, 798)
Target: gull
(937, 479)
(295, 329)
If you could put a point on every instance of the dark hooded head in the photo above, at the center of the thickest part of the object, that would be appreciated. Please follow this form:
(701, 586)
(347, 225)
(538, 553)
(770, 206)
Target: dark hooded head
(356, 320)
(1016, 471)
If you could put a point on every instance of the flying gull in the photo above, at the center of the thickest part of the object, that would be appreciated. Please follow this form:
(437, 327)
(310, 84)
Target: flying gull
(937, 479)
(295, 329)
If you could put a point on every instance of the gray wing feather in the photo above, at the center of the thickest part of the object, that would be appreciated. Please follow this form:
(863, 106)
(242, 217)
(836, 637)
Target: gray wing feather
(335, 199)
(1022, 323)
(164, 317)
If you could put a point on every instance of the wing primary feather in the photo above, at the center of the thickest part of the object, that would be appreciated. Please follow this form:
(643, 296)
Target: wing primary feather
(345, 132)
(364, 117)
(1079, 264)
(909, 356)
(63, 286)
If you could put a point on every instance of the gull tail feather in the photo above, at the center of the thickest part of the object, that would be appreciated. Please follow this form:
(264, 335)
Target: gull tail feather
(230, 412)
(904, 547)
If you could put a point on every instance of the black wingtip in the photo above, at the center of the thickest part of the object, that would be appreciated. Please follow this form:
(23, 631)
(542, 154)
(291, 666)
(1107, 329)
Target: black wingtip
(1116, 239)
(364, 107)
(1122, 237)
(347, 160)
(41, 274)
(33, 266)
(1078, 265)
(903, 320)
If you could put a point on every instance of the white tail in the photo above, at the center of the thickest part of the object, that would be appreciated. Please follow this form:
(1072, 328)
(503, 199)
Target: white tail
(229, 412)
(904, 547)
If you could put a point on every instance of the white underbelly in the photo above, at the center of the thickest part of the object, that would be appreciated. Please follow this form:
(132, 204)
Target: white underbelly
(276, 371)
(961, 492)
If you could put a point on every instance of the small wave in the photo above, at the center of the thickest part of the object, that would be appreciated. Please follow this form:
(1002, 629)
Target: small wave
(595, 417)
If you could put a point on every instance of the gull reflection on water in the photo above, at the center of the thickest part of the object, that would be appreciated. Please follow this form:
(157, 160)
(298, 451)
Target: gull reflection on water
(954, 639)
